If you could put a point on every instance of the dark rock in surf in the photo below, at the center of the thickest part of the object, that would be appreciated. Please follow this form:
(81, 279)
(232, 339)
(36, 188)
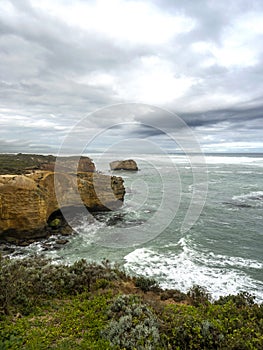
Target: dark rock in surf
(61, 241)
(238, 205)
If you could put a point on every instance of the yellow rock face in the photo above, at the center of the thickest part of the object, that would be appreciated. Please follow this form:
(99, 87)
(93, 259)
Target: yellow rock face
(27, 201)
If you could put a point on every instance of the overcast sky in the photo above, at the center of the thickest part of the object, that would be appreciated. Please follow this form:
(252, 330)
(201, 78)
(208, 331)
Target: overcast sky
(61, 60)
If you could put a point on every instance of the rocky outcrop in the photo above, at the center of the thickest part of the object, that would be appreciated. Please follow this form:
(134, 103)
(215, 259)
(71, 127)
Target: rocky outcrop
(25, 163)
(69, 164)
(27, 201)
(128, 164)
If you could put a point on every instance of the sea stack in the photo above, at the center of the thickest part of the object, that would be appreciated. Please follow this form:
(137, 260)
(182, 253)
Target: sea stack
(128, 164)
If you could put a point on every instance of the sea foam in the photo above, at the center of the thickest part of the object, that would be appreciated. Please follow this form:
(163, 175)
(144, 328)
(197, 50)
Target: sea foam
(221, 275)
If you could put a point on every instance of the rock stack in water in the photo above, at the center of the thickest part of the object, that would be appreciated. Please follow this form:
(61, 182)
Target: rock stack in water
(128, 164)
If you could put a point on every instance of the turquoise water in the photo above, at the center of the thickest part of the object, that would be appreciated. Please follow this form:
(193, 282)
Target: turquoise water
(223, 249)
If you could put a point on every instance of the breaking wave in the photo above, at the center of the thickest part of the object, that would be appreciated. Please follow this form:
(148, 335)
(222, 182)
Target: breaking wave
(221, 275)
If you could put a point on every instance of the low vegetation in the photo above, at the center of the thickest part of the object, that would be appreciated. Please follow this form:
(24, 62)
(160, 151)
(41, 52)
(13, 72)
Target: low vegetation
(20, 163)
(97, 306)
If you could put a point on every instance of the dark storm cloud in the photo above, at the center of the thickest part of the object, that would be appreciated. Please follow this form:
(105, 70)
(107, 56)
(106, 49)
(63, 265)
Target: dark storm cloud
(234, 115)
(145, 131)
(199, 59)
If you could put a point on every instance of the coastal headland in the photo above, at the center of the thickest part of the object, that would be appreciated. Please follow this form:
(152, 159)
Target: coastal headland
(28, 196)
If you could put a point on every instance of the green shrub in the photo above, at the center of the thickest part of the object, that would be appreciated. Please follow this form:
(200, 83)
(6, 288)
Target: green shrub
(174, 294)
(55, 223)
(74, 322)
(102, 284)
(132, 326)
(10, 341)
(211, 326)
(55, 306)
(198, 295)
(23, 283)
(241, 299)
(145, 284)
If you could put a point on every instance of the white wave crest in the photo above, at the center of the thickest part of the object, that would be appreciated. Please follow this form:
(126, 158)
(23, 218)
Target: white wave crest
(221, 275)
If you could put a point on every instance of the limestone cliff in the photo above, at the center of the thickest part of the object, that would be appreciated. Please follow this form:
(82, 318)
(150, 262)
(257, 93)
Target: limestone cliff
(28, 200)
(69, 164)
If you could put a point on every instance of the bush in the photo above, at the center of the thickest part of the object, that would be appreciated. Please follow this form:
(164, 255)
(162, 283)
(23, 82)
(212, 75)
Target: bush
(133, 325)
(45, 305)
(102, 283)
(211, 326)
(146, 284)
(23, 283)
(198, 295)
(241, 299)
(10, 341)
(174, 294)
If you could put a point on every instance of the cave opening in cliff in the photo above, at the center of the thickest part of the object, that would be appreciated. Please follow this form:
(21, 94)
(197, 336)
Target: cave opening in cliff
(68, 216)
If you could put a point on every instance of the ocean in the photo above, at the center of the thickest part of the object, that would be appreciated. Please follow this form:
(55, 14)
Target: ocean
(221, 249)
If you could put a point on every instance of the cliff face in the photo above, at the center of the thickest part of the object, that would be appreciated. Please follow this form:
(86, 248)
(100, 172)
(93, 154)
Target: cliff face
(27, 201)
(69, 164)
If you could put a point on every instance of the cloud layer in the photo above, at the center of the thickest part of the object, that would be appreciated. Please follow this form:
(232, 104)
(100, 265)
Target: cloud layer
(61, 60)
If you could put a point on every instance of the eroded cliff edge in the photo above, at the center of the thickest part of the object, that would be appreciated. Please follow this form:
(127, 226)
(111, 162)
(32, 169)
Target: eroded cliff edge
(28, 200)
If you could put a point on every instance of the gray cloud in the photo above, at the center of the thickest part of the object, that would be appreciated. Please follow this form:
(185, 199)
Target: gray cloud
(202, 60)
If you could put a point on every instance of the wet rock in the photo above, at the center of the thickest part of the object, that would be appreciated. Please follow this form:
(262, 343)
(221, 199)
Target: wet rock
(61, 241)
(23, 243)
(66, 231)
(7, 249)
(238, 204)
(46, 247)
(11, 240)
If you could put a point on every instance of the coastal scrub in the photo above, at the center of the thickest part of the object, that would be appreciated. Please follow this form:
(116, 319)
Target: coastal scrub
(98, 306)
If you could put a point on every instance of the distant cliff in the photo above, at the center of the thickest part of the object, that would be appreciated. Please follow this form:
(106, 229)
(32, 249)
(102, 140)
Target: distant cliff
(25, 163)
(28, 200)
